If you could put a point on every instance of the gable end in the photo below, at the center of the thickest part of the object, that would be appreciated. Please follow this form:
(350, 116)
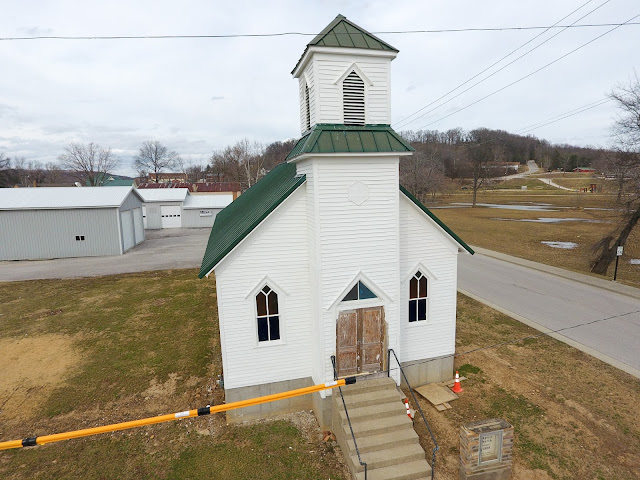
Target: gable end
(440, 223)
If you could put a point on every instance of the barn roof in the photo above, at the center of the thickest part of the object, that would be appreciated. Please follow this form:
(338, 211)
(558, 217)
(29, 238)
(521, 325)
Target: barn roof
(208, 201)
(163, 194)
(247, 211)
(63, 197)
(332, 138)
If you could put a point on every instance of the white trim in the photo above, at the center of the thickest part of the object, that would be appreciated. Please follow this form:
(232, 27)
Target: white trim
(120, 235)
(260, 285)
(419, 266)
(353, 68)
(351, 155)
(360, 276)
(365, 52)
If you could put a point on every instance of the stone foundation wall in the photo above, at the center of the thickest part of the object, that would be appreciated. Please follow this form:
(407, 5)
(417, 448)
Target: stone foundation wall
(265, 410)
(421, 372)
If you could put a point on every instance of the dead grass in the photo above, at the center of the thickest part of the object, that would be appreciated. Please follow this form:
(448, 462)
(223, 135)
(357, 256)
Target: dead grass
(478, 226)
(87, 352)
(574, 416)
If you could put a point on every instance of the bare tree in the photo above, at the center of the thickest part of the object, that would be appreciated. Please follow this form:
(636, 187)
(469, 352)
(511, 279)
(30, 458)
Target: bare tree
(480, 152)
(625, 165)
(5, 174)
(89, 162)
(154, 158)
(423, 172)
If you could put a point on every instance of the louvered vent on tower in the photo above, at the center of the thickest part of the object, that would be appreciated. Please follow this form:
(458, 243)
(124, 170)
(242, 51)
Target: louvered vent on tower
(308, 108)
(353, 99)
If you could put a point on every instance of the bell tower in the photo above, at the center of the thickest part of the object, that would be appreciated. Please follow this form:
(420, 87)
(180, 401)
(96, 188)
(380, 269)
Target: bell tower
(344, 77)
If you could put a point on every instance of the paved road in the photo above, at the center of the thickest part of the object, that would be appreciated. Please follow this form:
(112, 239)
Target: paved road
(548, 301)
(533, 168)
(162, 250)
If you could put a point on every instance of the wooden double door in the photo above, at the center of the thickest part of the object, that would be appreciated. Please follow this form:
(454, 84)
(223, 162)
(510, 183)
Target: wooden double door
(360, 341)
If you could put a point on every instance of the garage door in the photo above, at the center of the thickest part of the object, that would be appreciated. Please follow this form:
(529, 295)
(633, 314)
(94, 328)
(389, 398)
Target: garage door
(170, 216)
(127, 229)
(137, 224)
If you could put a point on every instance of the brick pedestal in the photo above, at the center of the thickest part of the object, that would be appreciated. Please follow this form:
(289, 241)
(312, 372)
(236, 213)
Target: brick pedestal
(485, 450)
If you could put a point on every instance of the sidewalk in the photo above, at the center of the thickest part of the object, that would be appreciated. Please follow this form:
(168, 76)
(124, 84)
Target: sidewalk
(561, 272)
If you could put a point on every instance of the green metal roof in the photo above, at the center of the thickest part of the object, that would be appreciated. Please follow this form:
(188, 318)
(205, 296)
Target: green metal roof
(343, 33)
(332, 138)
(436, 219)
(246, 212)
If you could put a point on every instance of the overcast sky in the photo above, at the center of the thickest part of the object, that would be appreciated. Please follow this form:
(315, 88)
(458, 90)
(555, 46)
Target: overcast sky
(198, 95)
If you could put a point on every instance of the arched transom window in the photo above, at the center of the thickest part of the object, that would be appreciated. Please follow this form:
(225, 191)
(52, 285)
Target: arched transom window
(353, 99)
(418, 297)
(359, 292)
(268, 317)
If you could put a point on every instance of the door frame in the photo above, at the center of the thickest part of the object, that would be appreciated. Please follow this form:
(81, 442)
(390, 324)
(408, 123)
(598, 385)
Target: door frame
(357, 305)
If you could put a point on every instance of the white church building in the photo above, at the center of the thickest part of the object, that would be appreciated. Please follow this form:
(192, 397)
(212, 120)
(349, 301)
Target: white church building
(328, 255)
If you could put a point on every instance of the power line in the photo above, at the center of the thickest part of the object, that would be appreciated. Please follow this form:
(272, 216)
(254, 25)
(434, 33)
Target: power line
(532, 73)
(304, 34)
(562, 116)
(509, 342)
(501, 68)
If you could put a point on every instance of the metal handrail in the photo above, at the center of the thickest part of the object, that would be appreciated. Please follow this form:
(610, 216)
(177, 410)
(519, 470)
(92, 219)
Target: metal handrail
(355, 444)
(415, 400)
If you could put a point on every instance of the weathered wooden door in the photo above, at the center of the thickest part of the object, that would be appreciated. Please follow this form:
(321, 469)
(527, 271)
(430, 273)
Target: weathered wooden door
(360, 340)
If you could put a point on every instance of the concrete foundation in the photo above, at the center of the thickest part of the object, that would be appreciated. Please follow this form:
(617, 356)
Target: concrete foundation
(264, 410)
(428, 370)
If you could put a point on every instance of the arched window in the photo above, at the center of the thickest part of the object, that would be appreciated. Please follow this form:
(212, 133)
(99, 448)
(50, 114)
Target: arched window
(418, 297)
(267, 315)
(307, 108)
(353, 99)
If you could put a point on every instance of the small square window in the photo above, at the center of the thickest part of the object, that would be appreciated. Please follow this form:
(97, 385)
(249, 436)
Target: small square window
(77, 238)
(82, 237)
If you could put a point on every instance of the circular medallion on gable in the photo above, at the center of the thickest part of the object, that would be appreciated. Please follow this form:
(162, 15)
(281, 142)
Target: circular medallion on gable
(358, 193)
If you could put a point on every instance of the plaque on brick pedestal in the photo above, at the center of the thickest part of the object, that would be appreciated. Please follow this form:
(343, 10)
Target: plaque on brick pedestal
(485, 450)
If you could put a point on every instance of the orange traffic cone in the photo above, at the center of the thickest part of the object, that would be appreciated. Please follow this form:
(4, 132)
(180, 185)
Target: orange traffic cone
(409, 410)
(457, 388)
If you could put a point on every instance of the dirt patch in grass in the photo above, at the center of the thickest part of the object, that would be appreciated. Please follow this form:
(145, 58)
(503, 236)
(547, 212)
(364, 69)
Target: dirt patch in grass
(32, 368)
(562, 403)
(91, 352)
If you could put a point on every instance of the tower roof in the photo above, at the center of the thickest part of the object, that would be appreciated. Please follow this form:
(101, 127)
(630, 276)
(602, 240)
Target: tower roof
(342, 33)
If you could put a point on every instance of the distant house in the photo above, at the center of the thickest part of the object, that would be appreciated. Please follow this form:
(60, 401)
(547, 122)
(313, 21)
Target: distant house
(584, 170)
(177, 208)
(164, 177)
(57, 222)
(327, 255)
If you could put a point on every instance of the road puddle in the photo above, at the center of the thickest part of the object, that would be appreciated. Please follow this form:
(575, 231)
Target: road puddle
(551, 220)
(563, 245)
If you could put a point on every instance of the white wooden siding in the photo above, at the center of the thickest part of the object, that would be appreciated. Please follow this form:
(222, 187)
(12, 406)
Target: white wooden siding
(277, 248)
(422, 241)
(329, 68)
(356, 238)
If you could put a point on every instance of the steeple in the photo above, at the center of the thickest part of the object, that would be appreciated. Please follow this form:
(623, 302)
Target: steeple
(344, 77)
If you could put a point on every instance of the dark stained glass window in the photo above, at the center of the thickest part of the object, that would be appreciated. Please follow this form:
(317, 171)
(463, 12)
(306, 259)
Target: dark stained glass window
(359, 292)
(418, 297)
(268, 318)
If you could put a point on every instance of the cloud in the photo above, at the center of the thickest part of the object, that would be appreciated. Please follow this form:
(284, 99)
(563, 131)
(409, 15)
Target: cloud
(217, 98)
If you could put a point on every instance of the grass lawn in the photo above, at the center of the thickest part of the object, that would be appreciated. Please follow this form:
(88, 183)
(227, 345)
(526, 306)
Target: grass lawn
(574, 416)
(87, 352)
(504, 230)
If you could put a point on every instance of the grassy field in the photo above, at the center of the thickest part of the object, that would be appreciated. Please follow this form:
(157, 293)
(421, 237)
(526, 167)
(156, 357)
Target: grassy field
(574, 416)
(505, 231)
(88, 352)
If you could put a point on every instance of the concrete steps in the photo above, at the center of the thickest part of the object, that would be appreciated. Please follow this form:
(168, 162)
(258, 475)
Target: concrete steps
(384, 434)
